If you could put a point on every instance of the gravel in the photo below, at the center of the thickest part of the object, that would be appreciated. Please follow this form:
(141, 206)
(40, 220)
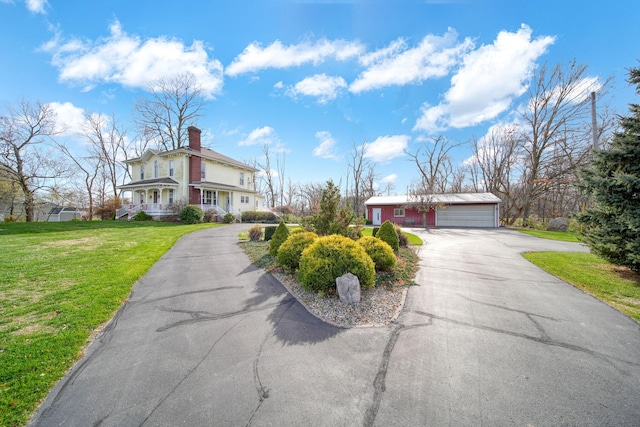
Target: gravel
(378, 306)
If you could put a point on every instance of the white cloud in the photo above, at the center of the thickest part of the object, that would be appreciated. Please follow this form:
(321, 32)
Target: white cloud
(386, 148)
(36, 6)
(70, 119)
(255, 57)
(489, 79)
(390, 179)
(325, 88)
(327, 147)
(133, 62)
(279, 85)
(399, 65)
(262, 136)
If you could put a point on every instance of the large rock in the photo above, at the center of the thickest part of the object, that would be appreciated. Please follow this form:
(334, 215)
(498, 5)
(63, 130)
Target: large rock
(348, 288)
(558, 224)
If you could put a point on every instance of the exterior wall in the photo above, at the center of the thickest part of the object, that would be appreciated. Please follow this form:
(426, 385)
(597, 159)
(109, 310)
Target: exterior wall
(412, 217)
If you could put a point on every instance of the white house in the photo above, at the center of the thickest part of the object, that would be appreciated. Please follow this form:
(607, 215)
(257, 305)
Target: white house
(192, 175)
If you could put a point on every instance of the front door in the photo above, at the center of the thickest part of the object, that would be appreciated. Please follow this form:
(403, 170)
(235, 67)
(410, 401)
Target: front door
(377, 216)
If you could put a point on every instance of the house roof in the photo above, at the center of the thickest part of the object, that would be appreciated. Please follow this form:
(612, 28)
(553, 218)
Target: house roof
(58, 209)
(160, 181)
(204, 153)
(447, 199)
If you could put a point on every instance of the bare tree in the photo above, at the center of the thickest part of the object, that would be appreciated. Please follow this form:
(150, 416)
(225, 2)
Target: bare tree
(108, 147)
(90, 167)
(552, 137)
(24, 154)
(356, 169)
(268, 176)
(434, 164)
(175, 104)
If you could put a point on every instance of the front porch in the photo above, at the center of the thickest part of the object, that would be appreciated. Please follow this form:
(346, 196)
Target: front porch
(164, 210)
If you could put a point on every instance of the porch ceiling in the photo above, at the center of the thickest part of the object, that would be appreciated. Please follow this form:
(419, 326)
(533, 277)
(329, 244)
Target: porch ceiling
(150, 183)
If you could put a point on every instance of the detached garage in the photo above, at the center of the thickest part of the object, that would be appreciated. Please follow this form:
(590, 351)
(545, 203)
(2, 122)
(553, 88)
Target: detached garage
(480, 210)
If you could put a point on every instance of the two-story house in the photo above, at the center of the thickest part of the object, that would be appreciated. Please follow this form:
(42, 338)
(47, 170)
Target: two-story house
(193, 175)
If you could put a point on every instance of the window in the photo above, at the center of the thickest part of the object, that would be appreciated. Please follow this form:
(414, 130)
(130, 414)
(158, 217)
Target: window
(155, 168)
(208, 197)
(142, 172)
(241, 178)
(245, 199)
(171, 167)
(170, 195)
(203, 171)
(398, 212)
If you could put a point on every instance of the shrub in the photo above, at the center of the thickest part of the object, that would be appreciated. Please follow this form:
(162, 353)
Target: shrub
(210, 215)
(291, 250)
(228, 218)
(375, 230)
(380, 252)
(258, 216)
(330, 257)
(142, 216)
(403, 240)
(191, 214)
(268, 232)
(255, 233)
(279, 237)
(388, 234)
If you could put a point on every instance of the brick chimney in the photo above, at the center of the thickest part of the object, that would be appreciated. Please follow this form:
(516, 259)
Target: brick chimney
(195, 163)
(194, 138)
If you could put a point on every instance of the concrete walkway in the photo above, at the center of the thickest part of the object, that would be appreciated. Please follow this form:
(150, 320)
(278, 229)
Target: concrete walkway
(485, 339)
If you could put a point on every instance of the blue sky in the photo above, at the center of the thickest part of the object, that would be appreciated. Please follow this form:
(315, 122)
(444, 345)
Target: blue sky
(314, 78)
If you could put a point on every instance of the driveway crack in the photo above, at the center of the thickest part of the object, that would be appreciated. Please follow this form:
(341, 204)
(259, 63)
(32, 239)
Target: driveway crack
(379, 383)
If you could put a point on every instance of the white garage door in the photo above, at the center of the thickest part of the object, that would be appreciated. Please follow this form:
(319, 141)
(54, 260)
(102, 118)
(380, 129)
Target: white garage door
(466, 216)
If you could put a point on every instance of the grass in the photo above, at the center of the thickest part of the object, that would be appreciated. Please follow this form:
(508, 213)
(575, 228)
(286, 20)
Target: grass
(617, 286)
(565, 236)
(413, 239)
(59, 282)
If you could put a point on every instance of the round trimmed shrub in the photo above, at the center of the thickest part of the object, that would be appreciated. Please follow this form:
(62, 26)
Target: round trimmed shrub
(278, 238)
(191, 214)
(291, 250)
(255, 233)
(388, 234)
(228, 218)
(142, 216)
(380, 252)
(330, 257)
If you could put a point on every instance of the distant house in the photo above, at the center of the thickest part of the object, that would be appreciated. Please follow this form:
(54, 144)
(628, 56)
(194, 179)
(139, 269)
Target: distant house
(447, 210)
(60, 214)
(193, 175)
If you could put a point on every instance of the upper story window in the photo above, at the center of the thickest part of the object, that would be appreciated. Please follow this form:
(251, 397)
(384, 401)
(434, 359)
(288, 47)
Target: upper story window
(203, 171)
(142, 172)
(241, 178)
(155, 168)
(171, 167)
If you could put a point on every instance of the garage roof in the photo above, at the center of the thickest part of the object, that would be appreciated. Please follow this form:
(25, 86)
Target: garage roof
(448, 199)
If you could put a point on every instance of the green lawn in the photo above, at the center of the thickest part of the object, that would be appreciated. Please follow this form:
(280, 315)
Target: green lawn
(413, 239)
(617, 286)
(565, 236)
(58, 283)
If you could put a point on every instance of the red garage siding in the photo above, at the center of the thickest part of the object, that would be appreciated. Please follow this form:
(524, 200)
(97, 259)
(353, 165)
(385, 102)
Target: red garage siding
(411, 216)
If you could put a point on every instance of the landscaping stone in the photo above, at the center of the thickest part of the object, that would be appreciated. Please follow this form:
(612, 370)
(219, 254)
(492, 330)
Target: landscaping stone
(348, 288)
(558, 224)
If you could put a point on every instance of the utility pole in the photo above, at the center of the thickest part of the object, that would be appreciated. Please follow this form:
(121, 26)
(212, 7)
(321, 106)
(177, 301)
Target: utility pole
(594, 123)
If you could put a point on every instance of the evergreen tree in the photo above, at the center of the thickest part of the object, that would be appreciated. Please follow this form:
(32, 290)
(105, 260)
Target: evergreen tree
(613, 182)
(331, 218)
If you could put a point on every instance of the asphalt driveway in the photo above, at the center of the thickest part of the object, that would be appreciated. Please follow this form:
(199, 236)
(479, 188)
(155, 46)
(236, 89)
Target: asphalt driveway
(485, 339)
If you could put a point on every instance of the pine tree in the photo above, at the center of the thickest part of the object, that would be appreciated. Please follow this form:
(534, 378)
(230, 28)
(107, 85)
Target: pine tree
(613, 182)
